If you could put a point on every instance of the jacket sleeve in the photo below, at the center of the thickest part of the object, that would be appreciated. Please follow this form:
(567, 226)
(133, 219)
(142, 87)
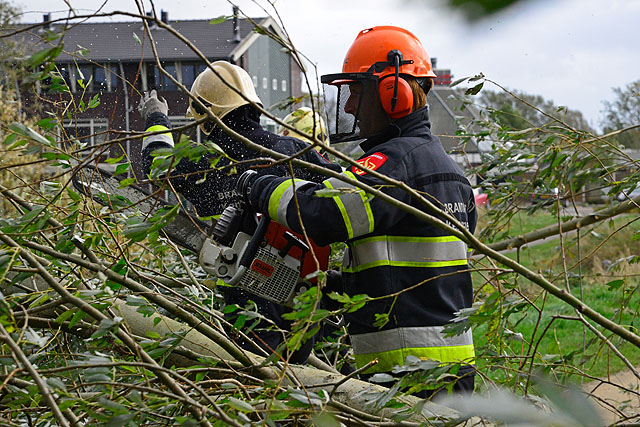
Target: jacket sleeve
(333, 210)
(187, 176)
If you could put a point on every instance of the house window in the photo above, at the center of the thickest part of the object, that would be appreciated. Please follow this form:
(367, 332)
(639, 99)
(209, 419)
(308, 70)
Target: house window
(284, 85)
(255, 82)
(264, 83)
(95, 78)
(83, 133)
(194, 133)
(274, 84)
(184, 72)
(189, 73)
(163, 82)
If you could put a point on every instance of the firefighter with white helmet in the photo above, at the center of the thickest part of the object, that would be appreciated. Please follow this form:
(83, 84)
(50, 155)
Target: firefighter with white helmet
(415, 272)
(306, 121)
(226, 91)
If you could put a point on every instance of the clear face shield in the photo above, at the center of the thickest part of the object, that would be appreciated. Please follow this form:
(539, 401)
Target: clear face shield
(353, 106)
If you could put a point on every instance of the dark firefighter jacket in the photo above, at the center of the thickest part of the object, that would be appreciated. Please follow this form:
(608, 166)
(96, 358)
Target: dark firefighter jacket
(419, 267)
(213, 192)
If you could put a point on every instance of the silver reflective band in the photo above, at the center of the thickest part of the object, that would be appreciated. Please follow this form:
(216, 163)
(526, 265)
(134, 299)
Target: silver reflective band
(286, 197)
(413, 337)
(409, 251)
(354, 207)
(157, 138)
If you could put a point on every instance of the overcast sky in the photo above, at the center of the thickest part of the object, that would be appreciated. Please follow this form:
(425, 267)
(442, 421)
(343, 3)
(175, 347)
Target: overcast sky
(570, 51)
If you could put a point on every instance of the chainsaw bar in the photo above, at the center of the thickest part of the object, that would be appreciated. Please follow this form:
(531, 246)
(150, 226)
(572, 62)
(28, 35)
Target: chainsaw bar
(185, 230)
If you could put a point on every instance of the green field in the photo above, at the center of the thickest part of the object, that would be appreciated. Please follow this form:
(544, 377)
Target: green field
(601, 280)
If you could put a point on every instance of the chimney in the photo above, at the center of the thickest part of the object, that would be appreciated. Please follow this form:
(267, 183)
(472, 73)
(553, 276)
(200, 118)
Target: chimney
(152, 25)
(236, 30)
(46, 21)
(434, 63)
(164, 16)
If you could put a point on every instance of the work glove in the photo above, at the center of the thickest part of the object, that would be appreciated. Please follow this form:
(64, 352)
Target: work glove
(150, 103)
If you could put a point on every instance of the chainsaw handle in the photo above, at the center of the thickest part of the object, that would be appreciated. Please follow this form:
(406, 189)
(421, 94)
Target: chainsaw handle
(252, 248)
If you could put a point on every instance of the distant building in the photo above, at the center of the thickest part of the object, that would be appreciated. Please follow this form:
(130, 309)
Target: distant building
(116, 61)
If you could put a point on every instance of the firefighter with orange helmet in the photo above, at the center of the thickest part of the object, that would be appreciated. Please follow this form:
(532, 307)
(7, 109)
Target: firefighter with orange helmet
(416, 272)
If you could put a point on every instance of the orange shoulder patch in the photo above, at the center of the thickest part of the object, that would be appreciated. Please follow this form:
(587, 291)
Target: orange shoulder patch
(371, 162)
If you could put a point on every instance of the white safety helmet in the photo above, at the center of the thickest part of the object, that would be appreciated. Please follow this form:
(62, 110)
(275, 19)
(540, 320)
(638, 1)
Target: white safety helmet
(304, 120)
(215, 93)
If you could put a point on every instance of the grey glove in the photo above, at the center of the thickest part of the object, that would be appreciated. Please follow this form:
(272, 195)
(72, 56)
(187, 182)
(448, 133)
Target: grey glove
(150, 103)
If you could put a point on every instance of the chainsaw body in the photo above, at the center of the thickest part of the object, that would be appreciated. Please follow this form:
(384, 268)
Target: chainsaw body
(260, 256)
(244, 249)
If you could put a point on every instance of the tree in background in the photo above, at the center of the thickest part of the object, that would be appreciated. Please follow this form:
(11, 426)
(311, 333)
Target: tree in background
(105, 322)
(522, 111)
(624, 112)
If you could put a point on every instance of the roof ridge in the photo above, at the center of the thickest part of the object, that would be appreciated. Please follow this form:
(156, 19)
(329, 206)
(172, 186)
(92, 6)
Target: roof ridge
(257, 19)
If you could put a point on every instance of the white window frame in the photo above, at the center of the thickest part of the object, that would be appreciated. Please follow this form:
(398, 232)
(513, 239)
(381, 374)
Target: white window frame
(95, 125)
(179, 121)
(109, 68)
(284, 85)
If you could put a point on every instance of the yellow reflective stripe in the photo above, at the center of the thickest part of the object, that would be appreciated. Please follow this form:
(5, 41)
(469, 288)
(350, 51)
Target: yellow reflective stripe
(384, 262)
(427, 239)
(279, 200)
(388, 359)
(365, 202)
(353, 205)
(158, 128)
(407, 251)
(343, 211)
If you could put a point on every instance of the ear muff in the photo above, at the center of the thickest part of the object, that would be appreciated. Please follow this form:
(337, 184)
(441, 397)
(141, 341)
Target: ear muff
(404, 102)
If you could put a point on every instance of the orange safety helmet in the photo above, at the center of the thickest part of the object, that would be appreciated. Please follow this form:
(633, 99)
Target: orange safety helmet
(373, 45)
(376, 54)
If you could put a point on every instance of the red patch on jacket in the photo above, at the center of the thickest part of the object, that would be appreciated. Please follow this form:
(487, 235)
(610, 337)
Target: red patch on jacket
(371, 162)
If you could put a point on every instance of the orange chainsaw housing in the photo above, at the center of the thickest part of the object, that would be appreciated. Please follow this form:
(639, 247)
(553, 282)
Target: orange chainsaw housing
(275, 237)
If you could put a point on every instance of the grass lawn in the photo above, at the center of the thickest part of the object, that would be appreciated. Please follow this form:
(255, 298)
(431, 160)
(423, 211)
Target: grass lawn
(614, 293)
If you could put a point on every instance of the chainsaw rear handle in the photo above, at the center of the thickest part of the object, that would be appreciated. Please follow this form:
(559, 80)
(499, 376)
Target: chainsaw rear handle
(252, 248)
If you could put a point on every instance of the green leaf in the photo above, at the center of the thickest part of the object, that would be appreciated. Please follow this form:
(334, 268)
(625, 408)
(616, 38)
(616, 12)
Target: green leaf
(220, 19)
(615, 284)
(44, 54)
(94, 102)
(64, 316)
(137, 39)
(106, 326)
(74, 196)
(47, 123)
(126, 182)
(457, 82)
(113, 161)
(240, 405)
(119, 420)
(121, 168)
(56, 383)
(474, 90)
(27, 132)
(324, 419)
(330, 192)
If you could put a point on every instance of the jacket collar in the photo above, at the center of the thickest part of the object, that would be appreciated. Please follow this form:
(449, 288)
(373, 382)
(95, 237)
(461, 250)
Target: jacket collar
(244, 120)
(416, 124)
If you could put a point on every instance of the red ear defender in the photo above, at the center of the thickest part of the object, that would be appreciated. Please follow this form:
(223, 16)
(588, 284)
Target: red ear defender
(404, 102)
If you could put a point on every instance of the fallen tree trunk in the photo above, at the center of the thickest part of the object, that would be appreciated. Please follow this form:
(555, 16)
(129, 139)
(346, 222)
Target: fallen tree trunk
(349, 393)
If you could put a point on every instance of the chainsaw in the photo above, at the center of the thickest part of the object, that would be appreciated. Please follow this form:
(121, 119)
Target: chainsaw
(241, 248)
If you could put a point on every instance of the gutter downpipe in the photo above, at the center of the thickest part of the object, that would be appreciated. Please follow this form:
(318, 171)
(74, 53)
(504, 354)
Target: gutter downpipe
(126, 104)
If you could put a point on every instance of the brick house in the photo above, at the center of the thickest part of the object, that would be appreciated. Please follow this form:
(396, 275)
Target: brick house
(115, 60)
